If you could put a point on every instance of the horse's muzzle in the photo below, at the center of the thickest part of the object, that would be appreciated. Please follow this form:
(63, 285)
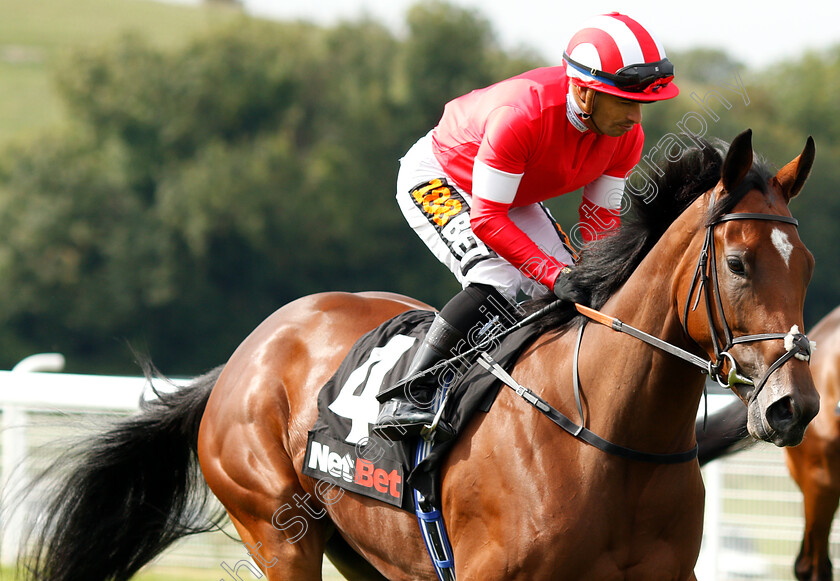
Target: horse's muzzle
(783, 421)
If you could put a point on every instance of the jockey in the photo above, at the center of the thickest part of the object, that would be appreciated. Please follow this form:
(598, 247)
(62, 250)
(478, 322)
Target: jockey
(472, 188)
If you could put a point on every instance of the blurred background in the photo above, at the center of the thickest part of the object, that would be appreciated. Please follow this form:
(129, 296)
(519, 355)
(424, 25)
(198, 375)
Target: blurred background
(171, 173)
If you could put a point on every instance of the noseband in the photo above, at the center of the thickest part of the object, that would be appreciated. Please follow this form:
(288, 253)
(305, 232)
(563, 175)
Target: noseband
(796, 343)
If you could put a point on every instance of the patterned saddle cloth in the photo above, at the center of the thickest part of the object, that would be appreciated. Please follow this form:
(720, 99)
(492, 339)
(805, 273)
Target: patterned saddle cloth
(341, 450)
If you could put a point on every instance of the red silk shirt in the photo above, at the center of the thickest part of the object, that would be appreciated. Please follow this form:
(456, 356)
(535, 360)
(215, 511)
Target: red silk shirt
(520, 126)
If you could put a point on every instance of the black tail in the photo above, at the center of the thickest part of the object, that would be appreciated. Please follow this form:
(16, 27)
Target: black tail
(125, 495)
(725, 432)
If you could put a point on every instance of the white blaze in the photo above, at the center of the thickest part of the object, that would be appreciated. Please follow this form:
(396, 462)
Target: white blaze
(782, 244)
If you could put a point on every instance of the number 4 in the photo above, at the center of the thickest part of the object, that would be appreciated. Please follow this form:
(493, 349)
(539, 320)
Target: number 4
(362, 408)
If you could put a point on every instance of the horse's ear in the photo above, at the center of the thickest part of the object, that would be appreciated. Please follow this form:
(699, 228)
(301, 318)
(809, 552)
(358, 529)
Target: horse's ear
(739, 160)
(792, 177)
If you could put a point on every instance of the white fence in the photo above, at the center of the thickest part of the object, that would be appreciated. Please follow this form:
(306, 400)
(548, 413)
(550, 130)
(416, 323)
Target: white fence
(753, 509)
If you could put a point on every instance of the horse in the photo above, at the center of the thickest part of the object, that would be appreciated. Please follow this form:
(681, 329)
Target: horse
(712, 265)
(815, 463)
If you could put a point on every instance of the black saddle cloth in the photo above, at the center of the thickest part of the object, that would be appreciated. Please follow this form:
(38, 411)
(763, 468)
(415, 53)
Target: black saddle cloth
(340, 449)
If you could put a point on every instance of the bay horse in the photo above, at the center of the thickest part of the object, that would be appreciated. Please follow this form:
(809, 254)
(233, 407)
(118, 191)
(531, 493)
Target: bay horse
(815, 463)
(521, 498)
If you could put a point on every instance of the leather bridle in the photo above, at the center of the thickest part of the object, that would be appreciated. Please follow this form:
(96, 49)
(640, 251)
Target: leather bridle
(797, 344)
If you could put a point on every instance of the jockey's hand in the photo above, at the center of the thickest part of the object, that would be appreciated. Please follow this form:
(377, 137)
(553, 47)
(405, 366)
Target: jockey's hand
(565, 289)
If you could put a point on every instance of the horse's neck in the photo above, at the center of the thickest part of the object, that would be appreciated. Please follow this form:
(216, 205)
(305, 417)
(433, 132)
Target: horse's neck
(631, 386)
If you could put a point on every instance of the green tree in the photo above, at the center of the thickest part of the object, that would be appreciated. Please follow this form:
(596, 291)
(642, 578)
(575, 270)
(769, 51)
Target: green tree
(72, 237)
(203, 187)
(706, 65)
(449, 52)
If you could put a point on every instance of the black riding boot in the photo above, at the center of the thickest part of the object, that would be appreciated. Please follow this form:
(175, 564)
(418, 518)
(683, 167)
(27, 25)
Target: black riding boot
(407, 413)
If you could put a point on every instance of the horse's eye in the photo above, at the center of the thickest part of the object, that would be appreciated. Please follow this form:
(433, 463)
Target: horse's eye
(736, 265)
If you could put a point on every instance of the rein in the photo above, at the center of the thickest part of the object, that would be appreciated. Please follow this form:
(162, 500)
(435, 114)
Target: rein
(579, 431)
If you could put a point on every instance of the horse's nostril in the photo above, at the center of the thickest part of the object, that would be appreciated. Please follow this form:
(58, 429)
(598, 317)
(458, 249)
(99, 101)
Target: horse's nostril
(781, 414)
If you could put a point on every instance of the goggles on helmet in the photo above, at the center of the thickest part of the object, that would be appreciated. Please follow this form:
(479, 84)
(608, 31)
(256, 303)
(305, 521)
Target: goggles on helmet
(632, 78)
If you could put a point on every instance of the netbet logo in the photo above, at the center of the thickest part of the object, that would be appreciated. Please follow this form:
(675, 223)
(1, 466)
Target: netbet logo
(361, 472)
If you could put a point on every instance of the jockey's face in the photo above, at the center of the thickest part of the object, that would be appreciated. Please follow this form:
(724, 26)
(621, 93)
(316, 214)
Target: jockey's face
(610, 115)
(615, 116)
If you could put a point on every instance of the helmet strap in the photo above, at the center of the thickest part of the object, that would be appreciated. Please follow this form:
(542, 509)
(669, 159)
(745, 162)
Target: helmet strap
(574, 113)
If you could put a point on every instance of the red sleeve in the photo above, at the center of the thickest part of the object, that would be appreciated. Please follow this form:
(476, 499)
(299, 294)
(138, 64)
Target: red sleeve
(491, 223)
(597, 221)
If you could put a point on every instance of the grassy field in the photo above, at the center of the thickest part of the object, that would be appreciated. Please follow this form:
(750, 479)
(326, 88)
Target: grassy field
(34, 35)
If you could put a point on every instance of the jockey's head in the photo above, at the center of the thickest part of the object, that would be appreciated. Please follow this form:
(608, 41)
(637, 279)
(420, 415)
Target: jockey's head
(615, 55)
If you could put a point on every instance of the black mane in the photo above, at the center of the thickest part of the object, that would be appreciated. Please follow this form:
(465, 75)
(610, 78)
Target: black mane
(606, 265)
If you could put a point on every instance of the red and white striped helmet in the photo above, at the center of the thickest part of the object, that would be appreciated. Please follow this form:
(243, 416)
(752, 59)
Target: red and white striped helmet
(612, 53)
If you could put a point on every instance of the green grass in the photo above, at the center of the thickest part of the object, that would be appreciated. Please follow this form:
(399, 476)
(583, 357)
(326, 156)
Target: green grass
(35, 34)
